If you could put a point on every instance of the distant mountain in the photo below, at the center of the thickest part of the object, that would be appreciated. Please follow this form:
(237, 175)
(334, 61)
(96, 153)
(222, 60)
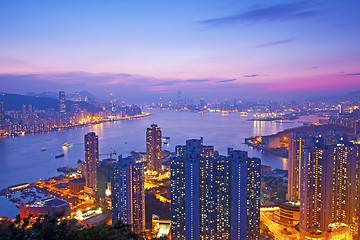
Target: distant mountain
(352, 96)
(43, 95)
(15, 102)
(76, 96)
(82, 96)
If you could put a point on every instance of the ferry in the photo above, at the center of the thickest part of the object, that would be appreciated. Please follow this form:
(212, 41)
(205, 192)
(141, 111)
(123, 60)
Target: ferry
(67, 144)
(59, 155)
(66, 169)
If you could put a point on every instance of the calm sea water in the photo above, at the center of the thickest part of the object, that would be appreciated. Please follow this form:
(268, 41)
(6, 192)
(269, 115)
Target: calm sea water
(21, 158)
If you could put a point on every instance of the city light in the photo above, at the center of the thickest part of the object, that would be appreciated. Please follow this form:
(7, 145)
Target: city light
(180, 120)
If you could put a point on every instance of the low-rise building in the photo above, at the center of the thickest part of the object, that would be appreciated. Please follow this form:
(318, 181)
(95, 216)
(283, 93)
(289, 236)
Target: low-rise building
(53, 207)
(76, 185)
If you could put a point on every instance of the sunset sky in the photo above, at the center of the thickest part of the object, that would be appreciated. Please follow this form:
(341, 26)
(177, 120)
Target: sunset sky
(205, 48)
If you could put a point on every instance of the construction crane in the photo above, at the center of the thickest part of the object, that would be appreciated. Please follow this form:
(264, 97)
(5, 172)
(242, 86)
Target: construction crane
(109, 154)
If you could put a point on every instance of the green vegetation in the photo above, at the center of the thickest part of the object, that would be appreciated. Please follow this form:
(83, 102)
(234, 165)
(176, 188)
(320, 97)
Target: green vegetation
(281, 194)
(51, 228)
(155, 206)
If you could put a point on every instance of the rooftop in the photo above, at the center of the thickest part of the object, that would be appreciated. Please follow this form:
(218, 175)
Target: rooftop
(78, 180)
(53, 202)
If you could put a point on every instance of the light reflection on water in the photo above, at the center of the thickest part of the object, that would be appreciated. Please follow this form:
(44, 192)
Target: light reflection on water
(21, 158)
(284, 160)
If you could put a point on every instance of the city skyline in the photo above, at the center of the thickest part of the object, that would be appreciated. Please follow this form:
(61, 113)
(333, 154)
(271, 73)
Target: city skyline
(104, 108)
(199, 193)
(205, 49)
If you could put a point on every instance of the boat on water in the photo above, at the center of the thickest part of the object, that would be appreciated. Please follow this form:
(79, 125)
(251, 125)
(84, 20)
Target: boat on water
(243, 114)
(66, 169)
(67, 144)
(43, 149)
(59, 155)
(166, 143)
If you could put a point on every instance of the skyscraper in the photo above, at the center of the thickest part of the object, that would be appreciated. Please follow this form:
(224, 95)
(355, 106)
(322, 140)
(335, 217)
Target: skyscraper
(245, 195)
(91, 159)
(328, 187)
(2, 118)
(128, 193)
(202, 103)
(153, 148)
(214, 197)
(296, 144)
(62, 105)
(103, 189)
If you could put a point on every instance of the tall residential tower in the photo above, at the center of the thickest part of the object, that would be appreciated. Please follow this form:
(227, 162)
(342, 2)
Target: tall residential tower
(153, 148)
(2, 118)
(329, 197)
(62, 105)
(214, 197)
(128, 193)
(296, 145)
(91, 159)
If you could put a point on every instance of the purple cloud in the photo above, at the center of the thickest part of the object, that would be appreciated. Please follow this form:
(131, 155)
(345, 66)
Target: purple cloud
(228, 80)
(278, 12)
(252, 75)
(283, 41)
(352, 74)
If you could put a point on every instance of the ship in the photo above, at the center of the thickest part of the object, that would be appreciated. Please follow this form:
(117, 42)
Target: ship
(67, 144)
(59, 155)
(66, 169)
(166, 140)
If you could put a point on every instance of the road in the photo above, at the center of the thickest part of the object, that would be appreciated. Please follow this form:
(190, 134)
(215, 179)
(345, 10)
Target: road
(276, 228)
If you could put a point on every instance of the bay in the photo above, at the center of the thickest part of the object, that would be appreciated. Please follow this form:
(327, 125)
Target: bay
(21, 158)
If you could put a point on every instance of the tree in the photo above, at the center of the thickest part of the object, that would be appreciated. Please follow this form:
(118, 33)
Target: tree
(52, 229)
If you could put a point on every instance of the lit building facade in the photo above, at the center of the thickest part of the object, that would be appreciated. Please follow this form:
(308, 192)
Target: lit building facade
(153, 148)
(2, 118)
(51, 207)
(329, 197)
(202, 103)
(76, 185)
(62, 104)
(103, 190)
(91, 159)
(214, 197)
(245, 195)
(128, 193)
(296, 144)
